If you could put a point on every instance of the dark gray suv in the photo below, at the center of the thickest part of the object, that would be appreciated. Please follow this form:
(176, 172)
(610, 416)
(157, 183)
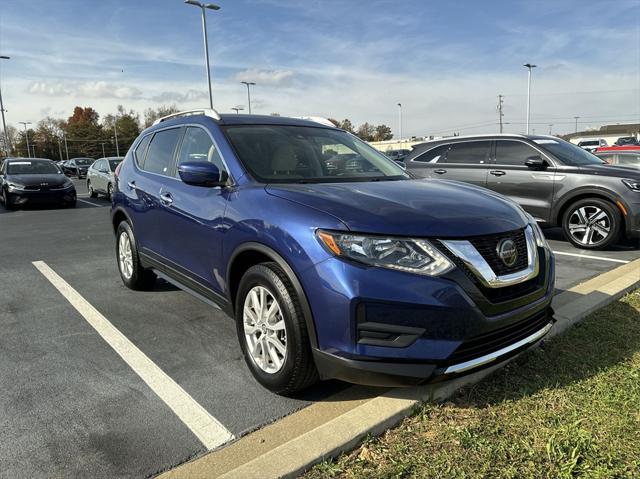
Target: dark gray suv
(556, 182)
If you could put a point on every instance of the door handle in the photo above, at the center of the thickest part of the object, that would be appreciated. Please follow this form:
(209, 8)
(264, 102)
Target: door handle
(132, 185)
(166, 199)
(497, 172)
(440, 171)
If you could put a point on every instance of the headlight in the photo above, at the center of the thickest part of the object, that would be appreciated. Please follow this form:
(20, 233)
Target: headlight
(15, 187)
(410, 255)
(632, 184)
(541, 241)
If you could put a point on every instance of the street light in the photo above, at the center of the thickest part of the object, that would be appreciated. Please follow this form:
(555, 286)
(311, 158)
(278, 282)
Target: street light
(248, 83)
(529, 67)
(26, 134)
(237, 109)
(400, 122)
(4, 123)
(202, 6)
(576, 118)
(550, 126)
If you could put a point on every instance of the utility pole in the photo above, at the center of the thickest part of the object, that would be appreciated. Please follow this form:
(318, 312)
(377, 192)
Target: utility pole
(529, 66)
(4, 123)
(202, 6)
(26, 135)
(115, 133)
(249, 84)
(576, 118)
(59, 149)
(103, 155)
(66, 149)
(500, 114)
(400, 122)
(550, 126)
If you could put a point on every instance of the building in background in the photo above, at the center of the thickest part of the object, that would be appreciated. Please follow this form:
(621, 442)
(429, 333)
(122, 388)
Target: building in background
(609, 133)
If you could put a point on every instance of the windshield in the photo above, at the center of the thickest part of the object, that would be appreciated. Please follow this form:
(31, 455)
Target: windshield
(32, 168)
(303, 154)
(569, 153)
(84, 161)
(114, 163)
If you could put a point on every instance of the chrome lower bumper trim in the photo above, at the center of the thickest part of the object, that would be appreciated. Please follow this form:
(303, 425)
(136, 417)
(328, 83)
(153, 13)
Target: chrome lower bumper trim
(474, 363)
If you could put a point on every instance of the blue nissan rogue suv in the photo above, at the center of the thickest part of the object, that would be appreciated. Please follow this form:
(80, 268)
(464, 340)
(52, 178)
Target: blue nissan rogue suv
(333, 260)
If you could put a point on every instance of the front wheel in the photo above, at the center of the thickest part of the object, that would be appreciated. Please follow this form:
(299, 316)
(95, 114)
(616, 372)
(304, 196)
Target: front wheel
(92, 192)
(133, 275)
(272, 330)
(110, 191)
(592, 223)
(6, 201)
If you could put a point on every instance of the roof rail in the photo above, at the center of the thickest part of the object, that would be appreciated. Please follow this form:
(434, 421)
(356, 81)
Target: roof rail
(210, 112)
(318, 119)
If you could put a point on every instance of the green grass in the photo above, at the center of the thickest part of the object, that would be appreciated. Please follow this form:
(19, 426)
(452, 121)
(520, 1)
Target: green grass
(569, 409)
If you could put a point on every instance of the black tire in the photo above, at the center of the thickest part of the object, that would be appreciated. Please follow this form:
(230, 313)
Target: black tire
(298, 370)
(71, 204)
(140, 278)
(92, 193)
(5, 201)
(587, 208)
(109, 191)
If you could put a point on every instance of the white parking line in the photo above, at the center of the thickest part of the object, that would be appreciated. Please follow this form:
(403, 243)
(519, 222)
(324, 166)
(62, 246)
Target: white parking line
(206, 427)
(586, 256)
(88, 202)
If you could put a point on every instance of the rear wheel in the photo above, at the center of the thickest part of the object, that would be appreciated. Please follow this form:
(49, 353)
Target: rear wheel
(133, 275)
(272, 330)
(5, 200)
(92, 192)
(592, 223)
(110, 191)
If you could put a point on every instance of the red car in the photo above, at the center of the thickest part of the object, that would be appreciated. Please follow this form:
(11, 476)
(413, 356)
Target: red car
(618, 148)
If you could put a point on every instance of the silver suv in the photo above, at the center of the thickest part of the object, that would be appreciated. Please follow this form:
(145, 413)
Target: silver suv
(556, 182)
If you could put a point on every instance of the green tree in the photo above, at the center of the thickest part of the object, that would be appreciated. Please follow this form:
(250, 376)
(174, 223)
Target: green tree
(366, 132)
(382, 133)
(151, 115)
(347, 125)
(48, 138)
(128, 129)
(20, 145)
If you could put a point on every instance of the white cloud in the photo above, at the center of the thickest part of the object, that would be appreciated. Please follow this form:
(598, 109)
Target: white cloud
(80, 90)
(189, 95)
(265, 77)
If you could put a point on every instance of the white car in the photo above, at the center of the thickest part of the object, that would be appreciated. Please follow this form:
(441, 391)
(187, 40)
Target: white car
(592, 144)
(101, 177)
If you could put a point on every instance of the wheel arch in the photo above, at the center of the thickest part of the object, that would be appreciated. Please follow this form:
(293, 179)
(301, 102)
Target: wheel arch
(117, 216)
(251, 253)
(582, 194)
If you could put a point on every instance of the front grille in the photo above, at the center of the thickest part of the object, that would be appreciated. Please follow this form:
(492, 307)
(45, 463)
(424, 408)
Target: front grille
(486, 246)
(498, 338)
(32, 187)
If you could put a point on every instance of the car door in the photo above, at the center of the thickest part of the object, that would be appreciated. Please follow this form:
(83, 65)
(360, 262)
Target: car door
(461, 161)
(193, 216)
(155, 170)
(97, 180)
(532, 189)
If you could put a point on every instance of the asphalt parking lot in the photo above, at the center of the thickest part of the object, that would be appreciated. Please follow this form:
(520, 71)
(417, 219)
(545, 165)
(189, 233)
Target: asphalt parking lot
(72, 406)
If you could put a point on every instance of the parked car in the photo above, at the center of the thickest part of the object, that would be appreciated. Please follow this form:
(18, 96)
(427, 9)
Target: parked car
(620, 157)
(592, 144)
(77, 167)
(357, 272)
(556, 182)
(100, 176)
(27, 181)
(397, 155)
(626, 140)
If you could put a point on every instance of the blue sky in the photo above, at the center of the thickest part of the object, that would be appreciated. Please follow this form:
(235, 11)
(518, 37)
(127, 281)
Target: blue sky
(445, 61)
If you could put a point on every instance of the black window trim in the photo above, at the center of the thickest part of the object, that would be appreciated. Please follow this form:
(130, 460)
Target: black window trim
(544, 154)
(452, 143)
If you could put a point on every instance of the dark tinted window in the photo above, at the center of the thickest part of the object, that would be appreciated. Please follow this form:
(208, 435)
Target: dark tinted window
(161, 150)
(32, 168)
(513, 152)
(141, 149)
(434, 155)
(473, 152)
(197, 146)
(114, 162)
(84, 161)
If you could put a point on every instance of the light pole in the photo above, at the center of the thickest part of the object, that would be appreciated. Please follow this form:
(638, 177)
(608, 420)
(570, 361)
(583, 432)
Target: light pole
(248, 83)
(400, 122)
(103, 155)
(237, 109)
(66, 148)
(26, 134)
(202, 6)
(529, 67)
(576, 118)
(4, 123)
(550, 126)
(115, 133)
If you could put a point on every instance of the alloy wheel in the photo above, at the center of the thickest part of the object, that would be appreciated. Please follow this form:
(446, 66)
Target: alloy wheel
(264, 330)
(589, 225)
(125, 256)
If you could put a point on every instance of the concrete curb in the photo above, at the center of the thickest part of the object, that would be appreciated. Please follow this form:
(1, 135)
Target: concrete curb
(343, 431)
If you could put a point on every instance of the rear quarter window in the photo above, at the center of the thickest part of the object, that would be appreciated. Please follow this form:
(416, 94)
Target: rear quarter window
(141, 150)
(161, 152)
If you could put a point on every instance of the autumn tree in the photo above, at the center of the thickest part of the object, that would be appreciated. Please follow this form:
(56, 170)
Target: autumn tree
(366, 132)
(84, 133)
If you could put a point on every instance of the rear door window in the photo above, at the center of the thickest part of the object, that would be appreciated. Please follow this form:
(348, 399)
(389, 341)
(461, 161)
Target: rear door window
(434, 155)
(468, 152)
(513, 152)
(161, 152)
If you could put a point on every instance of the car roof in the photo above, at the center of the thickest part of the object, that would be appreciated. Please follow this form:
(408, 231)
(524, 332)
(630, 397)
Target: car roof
(26, 159)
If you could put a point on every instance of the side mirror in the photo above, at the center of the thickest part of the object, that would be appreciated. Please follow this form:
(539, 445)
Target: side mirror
(536, 163)
(202, 173)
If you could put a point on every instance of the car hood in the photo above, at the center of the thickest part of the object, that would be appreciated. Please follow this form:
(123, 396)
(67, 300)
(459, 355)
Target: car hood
(422, 208)
(54, 179)
(611, 170)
